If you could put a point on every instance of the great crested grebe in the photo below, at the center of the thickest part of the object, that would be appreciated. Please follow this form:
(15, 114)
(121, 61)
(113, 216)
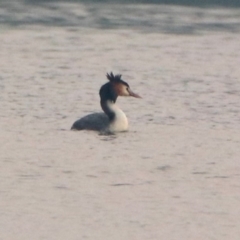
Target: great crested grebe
(113, 119)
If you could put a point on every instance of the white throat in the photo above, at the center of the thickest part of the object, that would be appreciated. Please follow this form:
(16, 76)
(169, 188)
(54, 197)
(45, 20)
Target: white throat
(120, 122)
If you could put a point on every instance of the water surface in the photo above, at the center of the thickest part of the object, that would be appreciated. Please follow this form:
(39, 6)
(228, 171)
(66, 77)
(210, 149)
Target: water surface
(174, 175)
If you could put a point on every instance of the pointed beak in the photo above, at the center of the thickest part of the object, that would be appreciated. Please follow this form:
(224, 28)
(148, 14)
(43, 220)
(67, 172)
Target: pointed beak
(132, 94)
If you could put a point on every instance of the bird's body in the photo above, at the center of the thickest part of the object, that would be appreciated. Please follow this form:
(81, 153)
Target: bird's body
(93, 121)
(113, 119)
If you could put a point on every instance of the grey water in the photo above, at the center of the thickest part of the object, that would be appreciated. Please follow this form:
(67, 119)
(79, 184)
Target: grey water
(174, 174)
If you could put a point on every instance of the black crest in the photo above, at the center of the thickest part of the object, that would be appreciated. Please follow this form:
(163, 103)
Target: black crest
(115, 78)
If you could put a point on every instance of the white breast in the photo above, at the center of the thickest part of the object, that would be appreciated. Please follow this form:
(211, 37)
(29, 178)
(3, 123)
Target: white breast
(120, 123)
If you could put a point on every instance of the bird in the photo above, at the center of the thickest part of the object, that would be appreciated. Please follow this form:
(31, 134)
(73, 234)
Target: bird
(112, 119)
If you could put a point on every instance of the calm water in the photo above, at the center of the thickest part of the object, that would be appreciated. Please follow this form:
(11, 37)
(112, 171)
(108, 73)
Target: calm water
(174, 175)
